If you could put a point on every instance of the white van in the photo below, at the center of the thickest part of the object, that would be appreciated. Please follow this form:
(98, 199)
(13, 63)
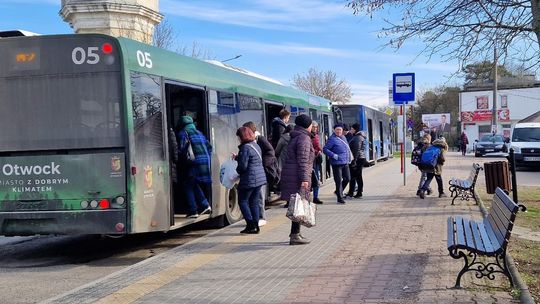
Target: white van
(525, 140)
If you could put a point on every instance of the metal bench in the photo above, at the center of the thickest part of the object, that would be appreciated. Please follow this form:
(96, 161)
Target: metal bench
(489, 237)
(464, 188)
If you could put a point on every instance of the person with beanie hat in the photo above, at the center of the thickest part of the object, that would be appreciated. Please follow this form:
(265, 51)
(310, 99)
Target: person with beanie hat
(194, 173)
(296, 175)
(303, 121)
(337, 149)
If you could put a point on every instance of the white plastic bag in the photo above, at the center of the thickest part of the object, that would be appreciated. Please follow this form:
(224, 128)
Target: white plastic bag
(228, 175)
(301, 210)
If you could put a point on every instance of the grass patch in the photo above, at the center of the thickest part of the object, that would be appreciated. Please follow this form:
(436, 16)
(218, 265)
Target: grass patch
(525, 253)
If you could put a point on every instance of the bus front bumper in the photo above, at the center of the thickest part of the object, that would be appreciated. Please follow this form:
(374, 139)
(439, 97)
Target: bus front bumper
(110, 221)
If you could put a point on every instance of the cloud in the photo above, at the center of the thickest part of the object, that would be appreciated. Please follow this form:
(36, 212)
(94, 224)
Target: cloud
(264, 14)
(368, 94)
(46, 2)
(280, 48)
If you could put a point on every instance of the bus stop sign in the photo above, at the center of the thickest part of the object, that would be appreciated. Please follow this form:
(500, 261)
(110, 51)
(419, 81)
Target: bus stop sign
(403, 88)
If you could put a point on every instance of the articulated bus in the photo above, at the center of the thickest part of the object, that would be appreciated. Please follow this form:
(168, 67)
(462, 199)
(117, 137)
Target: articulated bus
(374, 123)
(84, 132)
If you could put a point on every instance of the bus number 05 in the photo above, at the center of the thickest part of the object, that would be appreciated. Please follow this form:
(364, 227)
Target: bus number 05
(144, 59)
(90, 56)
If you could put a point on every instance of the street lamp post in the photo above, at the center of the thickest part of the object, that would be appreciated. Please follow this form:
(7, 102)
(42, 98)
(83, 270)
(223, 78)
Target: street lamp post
(233, 58)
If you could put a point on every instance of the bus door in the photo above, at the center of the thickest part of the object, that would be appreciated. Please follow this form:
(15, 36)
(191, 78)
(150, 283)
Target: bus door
(185, 100)
(370, 139)
(381, 138)
(271, 111)
(324, 135)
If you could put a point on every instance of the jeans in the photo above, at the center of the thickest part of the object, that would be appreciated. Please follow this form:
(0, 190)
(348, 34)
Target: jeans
(249, 200)
(423, 178)
(438, 178)
(262, 203)
(342, 176)
(315, 182)
(356, 178)
(195, 196)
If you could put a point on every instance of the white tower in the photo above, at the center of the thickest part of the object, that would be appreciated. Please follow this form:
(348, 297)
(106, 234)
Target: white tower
(133, 19)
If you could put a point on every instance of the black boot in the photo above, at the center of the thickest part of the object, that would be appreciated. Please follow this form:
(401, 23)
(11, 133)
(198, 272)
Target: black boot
(254, 228)
(249, 227)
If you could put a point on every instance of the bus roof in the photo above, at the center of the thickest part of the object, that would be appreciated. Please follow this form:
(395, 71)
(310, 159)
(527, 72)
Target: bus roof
(193, 71)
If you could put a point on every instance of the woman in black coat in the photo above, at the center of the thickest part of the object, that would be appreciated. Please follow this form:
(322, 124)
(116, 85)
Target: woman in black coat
(296, 177)
(252, 178)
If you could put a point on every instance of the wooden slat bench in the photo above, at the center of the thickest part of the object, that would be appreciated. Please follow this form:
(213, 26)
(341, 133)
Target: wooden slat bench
(464, 188)
(489, 237)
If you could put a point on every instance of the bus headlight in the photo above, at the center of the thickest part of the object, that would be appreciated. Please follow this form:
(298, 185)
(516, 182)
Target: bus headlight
(93, 203)
(84, 204)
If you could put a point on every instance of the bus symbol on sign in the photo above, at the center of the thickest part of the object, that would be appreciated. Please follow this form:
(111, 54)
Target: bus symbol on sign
(23, 57)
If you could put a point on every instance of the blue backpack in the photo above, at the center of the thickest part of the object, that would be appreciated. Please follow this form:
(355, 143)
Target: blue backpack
(430, 157)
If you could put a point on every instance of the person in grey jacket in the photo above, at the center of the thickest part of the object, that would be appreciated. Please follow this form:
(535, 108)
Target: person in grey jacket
(281, 148)
(337, 149)
(358, 148)
(252, 178)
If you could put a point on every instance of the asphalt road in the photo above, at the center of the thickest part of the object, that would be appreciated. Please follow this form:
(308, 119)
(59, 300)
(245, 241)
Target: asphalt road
(33, 269)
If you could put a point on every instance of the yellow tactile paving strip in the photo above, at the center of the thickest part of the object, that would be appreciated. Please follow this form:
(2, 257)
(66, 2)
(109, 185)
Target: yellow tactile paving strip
(153, 282)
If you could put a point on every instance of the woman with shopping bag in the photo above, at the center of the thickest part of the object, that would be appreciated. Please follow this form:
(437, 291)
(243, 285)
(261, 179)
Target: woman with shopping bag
(252, 178)
(296, 175)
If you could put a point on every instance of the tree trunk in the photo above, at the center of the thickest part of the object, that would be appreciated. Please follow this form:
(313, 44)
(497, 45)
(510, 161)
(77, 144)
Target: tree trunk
(535, 9)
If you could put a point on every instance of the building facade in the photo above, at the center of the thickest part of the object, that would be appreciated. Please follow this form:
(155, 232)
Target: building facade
(135, 19)
(513, 104)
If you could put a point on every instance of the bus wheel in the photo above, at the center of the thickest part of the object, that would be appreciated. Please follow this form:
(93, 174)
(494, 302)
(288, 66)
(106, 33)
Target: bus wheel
(233, 213)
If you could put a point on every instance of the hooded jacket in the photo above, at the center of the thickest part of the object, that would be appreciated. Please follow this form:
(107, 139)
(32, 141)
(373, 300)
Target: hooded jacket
(200, 167)
(441, 144)
(299, 164)
(278, 128)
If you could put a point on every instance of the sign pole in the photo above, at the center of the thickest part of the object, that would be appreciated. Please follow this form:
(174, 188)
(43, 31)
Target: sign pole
(401, 162)
(404, 145)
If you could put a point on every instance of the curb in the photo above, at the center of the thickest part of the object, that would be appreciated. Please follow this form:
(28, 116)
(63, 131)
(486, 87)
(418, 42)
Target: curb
(525, 296)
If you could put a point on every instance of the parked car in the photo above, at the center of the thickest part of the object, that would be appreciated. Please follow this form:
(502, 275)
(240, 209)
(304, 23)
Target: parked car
(490, 144)
(526, 143)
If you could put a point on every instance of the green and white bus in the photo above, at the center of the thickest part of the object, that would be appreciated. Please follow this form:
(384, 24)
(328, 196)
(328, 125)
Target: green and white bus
(84, 126)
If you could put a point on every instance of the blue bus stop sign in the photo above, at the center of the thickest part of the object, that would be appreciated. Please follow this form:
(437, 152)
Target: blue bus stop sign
(403, 88)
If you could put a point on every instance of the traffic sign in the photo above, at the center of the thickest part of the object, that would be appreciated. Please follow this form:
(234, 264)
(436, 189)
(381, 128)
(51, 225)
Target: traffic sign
(403, 88)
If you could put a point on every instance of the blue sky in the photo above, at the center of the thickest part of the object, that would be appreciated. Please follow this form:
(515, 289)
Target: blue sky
(276, 38)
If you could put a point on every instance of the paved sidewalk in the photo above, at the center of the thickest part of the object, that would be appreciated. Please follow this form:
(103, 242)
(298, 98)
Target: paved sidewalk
(389, 247)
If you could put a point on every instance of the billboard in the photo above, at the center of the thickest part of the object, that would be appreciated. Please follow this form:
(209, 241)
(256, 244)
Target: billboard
(441, 122)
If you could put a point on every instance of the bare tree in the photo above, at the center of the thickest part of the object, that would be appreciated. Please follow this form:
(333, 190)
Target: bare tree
(324, 84)
(164, 35)
(195, 51)
(466, 30)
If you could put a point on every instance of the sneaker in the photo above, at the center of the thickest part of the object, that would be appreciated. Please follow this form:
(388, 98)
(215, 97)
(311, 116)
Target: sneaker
(442, 194)
(341, 202)
(194, 215)
(317, 201)
(208, 210)
(422, 194)
(418, 192)
(358, 195)
(429, 191)
(262, 222)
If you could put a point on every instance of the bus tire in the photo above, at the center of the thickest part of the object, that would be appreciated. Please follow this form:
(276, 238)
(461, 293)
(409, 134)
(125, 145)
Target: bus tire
(232, 212)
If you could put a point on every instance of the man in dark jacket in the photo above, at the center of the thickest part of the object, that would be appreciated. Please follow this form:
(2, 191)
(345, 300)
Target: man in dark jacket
(278, 126)
(296, 177)
(358, 146)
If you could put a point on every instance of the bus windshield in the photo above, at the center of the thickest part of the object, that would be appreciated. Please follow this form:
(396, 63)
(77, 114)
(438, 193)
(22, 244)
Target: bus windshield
(60, 93)
(60, 112)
